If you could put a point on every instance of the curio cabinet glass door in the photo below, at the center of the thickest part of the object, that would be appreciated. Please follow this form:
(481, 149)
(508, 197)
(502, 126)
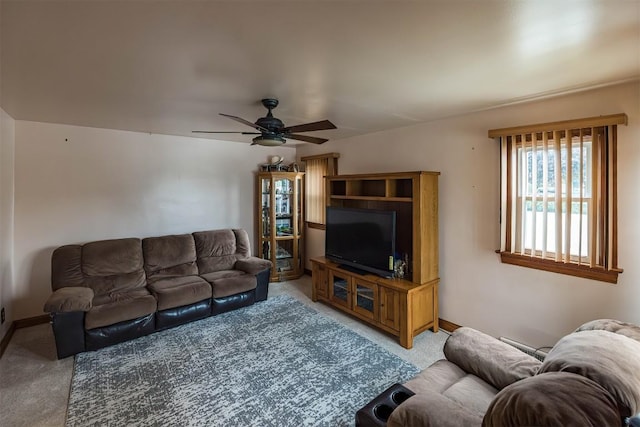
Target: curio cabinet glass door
(280, 223)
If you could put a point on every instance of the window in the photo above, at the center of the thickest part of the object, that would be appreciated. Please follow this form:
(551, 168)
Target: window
(316, 168)
(558, 196)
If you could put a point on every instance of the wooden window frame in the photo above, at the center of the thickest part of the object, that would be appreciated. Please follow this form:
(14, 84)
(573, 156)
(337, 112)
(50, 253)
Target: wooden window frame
(603, 199)
(331, 170)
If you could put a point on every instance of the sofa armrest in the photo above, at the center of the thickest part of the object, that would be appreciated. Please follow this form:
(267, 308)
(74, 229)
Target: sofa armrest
(494, 361)
(73, 298)
(253, 265)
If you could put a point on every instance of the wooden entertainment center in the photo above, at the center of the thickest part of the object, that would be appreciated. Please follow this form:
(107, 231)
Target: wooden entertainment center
(402, 307)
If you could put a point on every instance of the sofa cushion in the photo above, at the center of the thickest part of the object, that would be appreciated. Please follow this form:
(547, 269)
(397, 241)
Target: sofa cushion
(66, 267)
(233, 285)
(553, 399)
(220, 249)
(118, 307)
(215, 275)
(109, 257)
(243, 244)
(609, 359)
(446, 378)
(118, 283)
(179, 291)
(494, 361)
(431, 409)
(113, 265)
(472, 392)
(438, 377)
(169, 256)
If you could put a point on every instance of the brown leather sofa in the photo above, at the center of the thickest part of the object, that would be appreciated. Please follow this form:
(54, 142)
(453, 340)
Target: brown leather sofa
(110, 291)
(591, 377)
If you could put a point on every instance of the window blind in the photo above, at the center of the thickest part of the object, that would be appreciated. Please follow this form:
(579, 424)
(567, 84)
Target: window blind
(558, 202)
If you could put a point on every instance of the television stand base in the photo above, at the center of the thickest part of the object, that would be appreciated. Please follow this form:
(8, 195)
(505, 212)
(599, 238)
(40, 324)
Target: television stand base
(396, 306)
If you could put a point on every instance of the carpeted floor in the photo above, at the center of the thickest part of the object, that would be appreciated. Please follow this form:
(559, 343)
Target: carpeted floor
(34, 390)
(277, 363)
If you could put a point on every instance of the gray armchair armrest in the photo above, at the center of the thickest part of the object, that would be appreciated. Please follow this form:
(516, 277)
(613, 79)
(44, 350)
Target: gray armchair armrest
(253, 265)
(73, 298)
(494, 361)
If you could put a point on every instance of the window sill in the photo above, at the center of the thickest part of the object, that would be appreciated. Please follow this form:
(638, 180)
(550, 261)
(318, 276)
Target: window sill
(584, 271)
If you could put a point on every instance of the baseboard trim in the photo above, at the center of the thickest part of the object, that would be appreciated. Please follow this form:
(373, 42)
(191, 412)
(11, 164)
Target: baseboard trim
(447, 326)
(7, 337)
(31, 321)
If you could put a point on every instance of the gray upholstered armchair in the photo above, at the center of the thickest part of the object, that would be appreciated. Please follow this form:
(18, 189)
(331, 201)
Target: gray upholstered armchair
(591, 377)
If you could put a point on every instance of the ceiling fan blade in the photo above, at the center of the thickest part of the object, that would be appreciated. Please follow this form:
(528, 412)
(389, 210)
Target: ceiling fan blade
(216, 131)
(308, 127)
(245, 122)
(305, 138)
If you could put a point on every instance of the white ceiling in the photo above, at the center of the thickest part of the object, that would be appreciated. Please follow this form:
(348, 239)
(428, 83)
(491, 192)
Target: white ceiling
(170, 66)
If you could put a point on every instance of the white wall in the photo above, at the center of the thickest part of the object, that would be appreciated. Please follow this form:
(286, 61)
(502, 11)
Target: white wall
(76, 184)
(7, 141)
(477, 290)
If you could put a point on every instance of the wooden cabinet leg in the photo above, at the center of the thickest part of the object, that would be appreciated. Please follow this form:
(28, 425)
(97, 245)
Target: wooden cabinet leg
(406, 340)
(406, 321)
(436, 319)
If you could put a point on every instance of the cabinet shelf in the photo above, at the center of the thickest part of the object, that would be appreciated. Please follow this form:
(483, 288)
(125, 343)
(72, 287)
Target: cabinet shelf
(341, 285)
(365, 296)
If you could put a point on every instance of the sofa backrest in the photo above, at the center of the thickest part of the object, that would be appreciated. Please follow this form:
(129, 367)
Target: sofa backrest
(218, 250)
(173, 255)
(105, 266)
(607, 358)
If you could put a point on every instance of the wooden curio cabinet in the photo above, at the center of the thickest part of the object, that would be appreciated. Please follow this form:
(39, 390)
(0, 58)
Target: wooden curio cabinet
(281, 222)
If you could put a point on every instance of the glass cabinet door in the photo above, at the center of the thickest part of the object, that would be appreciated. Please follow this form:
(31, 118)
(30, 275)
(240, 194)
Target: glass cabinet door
(339, 288)
(365, 298)
(283, 206)
(284, 256)
(299, 207)
(265, 217)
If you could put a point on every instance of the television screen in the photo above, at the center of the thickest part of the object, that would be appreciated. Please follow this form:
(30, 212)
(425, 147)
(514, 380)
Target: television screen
(361, 238)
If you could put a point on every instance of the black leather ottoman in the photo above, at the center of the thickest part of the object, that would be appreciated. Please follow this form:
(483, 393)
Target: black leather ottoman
(377, 412)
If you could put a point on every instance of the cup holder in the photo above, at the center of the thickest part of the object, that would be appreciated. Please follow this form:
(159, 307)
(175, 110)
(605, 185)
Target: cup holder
(400, 396)
(382, 412)
(376, 413)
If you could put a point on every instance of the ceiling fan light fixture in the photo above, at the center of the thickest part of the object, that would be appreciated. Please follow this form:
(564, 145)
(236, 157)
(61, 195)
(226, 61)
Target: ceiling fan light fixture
(268, 140)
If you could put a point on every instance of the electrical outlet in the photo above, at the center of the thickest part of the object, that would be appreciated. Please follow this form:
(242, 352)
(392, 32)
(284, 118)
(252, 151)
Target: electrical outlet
(2, 315)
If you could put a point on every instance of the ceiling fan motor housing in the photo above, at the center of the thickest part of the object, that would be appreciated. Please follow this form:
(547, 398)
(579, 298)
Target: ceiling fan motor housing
(274, 124)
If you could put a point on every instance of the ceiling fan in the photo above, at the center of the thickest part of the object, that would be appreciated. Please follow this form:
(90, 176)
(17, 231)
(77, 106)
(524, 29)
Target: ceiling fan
(272, 131)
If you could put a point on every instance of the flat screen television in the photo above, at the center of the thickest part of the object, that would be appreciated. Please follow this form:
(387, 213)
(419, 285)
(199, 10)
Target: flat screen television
(363, 239)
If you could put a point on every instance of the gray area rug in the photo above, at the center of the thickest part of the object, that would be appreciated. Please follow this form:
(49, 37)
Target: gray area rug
(275, 363)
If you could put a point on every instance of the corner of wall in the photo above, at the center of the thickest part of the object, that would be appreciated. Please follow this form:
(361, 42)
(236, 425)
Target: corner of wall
(7, 150)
